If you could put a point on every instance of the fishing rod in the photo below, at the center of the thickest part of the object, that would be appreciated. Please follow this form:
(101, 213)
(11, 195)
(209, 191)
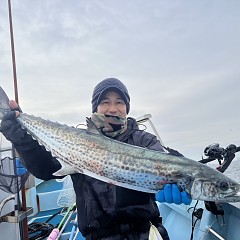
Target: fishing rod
(74, 229)
(65, 224)
(56, 232)
(76, 235)
(24, 233)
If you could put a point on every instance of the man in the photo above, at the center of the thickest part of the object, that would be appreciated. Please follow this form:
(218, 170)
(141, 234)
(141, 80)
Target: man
(105, 211)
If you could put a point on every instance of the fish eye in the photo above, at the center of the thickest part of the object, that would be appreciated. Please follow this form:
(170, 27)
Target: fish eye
(224, 186)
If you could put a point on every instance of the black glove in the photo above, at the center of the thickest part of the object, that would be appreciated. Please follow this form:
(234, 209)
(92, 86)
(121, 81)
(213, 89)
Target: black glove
(13, 132)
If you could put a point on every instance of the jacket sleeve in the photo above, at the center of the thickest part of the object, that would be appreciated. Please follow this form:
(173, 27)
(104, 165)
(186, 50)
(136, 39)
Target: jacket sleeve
(39, 162)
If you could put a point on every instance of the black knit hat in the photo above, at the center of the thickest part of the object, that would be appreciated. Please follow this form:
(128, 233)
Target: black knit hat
(107, 85)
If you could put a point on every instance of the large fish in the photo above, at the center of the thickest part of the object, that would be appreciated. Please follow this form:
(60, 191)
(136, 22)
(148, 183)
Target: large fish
(89, 152)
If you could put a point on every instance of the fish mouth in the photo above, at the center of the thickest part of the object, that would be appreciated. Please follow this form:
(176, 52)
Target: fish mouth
(232, 197)
(237, 194)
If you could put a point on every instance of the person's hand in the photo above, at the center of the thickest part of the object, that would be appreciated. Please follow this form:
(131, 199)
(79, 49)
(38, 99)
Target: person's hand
(172, 194)
(12, 129)
(14, 106)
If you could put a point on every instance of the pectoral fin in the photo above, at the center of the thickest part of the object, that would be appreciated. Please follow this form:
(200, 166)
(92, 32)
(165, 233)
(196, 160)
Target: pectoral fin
(65, 170)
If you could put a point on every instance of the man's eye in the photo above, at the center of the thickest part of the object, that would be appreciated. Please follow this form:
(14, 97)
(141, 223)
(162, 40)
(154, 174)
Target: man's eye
(104, 102)
(120, 102)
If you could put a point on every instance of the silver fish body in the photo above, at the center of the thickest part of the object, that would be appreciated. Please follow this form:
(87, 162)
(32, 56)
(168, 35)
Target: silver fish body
(91, 153)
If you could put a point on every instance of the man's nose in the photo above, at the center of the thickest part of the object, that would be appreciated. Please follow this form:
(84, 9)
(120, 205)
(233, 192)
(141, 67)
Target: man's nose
(112, 108)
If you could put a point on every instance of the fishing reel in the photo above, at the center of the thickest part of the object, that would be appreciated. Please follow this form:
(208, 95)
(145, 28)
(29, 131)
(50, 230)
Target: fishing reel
(214, 151)
(223, 155)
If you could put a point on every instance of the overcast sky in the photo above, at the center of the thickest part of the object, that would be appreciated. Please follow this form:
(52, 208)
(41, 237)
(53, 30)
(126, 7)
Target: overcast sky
(179, 60)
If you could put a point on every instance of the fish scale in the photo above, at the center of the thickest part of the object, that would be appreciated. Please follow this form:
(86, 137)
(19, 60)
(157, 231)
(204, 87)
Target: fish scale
(89, 152)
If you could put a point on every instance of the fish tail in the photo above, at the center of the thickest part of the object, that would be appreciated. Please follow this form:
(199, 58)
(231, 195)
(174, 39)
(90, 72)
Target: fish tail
(4, 103)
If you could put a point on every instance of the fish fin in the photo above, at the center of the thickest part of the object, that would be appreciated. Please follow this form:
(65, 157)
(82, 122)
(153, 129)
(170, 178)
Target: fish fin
(91, 126)
(154, 234)
(4, 103)
(64, 170)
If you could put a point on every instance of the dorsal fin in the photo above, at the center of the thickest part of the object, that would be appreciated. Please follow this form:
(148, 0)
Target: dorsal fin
(91, 126)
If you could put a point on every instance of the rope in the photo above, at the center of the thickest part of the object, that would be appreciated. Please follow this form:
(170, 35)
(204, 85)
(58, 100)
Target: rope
(40, 230)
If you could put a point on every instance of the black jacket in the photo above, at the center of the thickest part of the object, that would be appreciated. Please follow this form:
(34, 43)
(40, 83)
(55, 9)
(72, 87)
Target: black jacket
(99, 204)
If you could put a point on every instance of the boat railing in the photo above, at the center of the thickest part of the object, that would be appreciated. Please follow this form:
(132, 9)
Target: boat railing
(146, 118)
(215, 233)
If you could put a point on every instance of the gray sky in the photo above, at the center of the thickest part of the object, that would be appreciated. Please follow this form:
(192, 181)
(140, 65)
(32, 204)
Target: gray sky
(179, 60)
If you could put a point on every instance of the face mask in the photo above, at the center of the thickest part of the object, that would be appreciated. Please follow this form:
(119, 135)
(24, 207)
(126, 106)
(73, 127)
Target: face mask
(109, 125)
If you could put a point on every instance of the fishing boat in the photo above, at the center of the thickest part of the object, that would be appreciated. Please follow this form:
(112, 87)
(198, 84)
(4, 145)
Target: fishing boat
(35, 209)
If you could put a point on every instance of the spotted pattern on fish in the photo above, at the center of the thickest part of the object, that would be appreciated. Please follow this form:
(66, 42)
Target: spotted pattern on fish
(83, 151)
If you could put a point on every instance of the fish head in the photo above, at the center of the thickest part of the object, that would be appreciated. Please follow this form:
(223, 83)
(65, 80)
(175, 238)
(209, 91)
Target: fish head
(218, 190)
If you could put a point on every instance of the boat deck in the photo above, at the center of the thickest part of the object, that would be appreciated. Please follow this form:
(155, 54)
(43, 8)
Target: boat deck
(43, 197)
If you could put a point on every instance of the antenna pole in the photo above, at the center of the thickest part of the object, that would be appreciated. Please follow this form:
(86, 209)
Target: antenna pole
(24, 208)
(13, 52)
